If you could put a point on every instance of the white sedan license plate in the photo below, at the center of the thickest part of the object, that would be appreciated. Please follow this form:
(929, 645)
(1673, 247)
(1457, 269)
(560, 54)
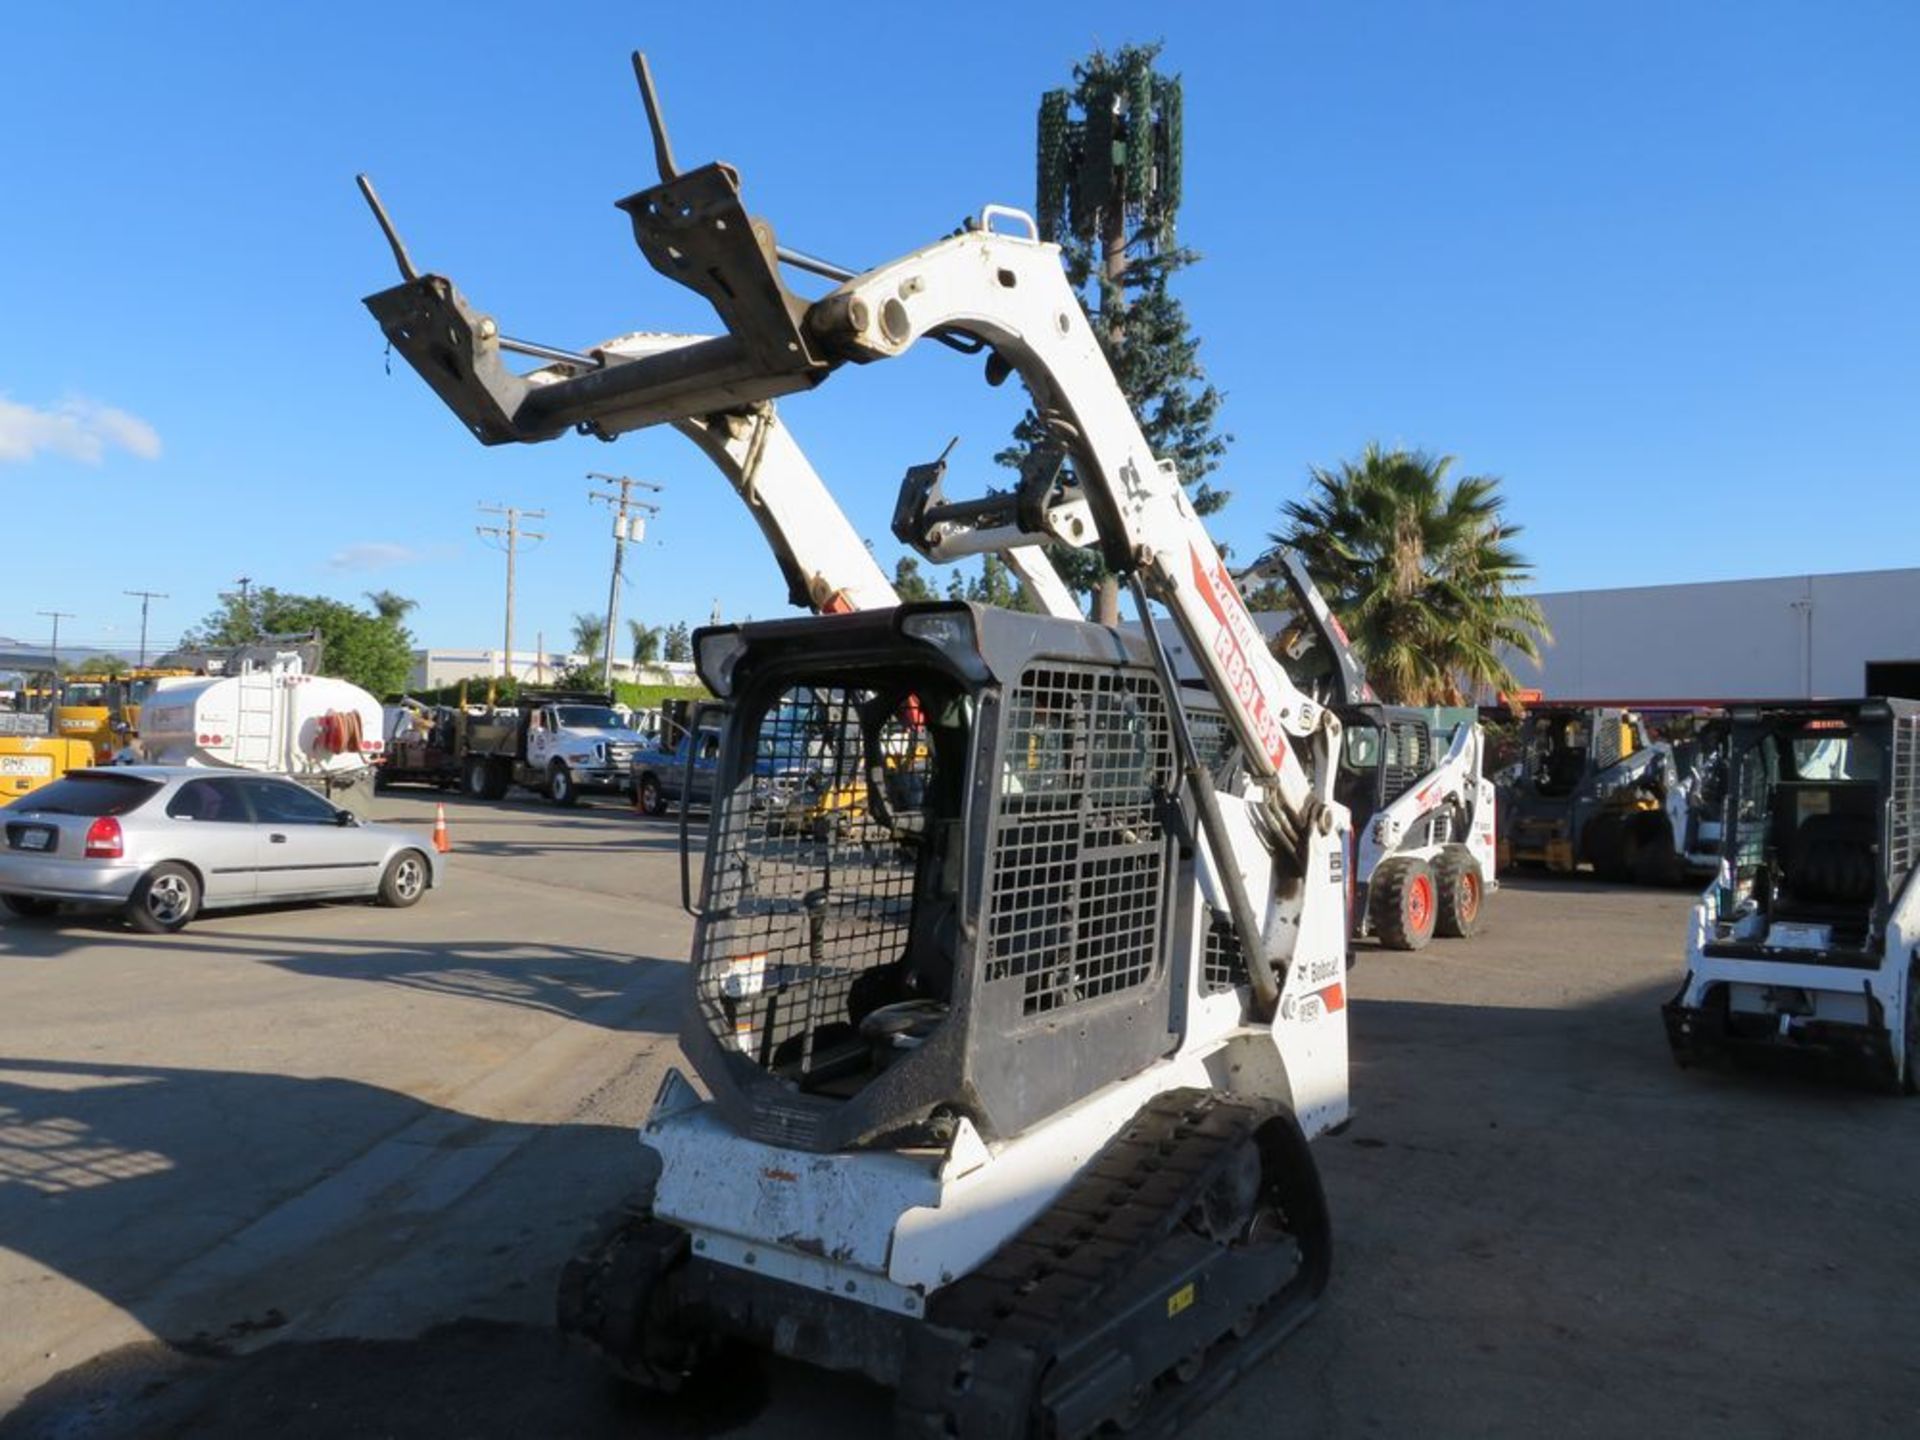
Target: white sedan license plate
(26, 765)
(36, 839)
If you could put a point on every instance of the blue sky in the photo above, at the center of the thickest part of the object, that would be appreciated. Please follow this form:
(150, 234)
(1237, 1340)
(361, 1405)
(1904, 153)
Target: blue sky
(1655, 265)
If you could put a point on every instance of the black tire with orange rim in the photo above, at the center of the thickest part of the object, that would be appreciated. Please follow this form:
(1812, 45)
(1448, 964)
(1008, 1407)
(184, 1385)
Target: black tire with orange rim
(1462, 892)
(1405, 902)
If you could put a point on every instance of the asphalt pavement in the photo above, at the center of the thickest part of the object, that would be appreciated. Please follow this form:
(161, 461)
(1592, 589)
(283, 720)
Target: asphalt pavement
(312, 1172)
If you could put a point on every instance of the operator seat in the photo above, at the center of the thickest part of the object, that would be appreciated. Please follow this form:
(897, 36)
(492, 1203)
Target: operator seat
(1831, 862)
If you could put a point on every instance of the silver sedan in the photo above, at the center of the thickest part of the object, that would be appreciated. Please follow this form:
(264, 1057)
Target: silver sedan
(162, 843)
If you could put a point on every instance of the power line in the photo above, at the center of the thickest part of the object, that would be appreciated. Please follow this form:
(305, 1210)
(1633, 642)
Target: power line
(508, 538)
(623, 531)
(146, 598)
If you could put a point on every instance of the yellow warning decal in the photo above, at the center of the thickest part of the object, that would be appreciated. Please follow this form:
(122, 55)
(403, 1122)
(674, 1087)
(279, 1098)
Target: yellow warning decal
(1179, 1299)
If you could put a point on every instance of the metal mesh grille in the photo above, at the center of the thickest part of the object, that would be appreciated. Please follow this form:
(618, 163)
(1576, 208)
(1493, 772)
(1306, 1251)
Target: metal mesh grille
(1079, 855)
(1214, 741)
(1903, 801)
(1223, 965)
(812, 887)
(1409, 756)
(1609, 739)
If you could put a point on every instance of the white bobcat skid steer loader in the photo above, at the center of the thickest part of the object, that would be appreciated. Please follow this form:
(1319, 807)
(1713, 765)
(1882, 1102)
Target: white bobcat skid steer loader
(1011, 1084)
(1422, 813)
(1424, 846)
(1809, 939)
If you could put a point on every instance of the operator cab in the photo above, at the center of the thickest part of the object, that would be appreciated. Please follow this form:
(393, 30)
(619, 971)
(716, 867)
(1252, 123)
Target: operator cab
(1557, 751)
(1820, 836)
(938, 834)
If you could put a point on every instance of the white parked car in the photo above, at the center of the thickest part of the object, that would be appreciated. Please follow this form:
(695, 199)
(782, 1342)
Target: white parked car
(162, 843)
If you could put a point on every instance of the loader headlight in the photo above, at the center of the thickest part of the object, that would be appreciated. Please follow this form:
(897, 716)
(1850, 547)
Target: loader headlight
(951, 628)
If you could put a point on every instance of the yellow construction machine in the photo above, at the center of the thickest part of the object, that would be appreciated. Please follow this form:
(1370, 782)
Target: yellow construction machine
(33, 751)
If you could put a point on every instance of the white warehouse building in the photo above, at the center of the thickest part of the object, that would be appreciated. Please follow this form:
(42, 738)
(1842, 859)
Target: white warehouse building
(435, 668)
(1787, 637)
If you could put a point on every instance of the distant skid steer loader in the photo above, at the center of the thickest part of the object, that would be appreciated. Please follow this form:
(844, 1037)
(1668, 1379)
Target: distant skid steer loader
(1591, 786)
(1423, 827)
(1809, 941)
(1413, 779)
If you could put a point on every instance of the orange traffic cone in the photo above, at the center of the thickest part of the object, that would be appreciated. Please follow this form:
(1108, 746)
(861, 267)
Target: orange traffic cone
(440, 841)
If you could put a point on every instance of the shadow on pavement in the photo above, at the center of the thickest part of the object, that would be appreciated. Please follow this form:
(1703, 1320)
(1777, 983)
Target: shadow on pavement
(571, 980)
(217, 1208)
(1584, 882)
(578, 982)
(477, 1380)
(1536, 1215)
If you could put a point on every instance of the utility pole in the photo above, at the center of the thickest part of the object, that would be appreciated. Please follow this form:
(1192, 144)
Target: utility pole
(624, 529)
(57, 616)
(508, 538)
(146, 598)
(245, 601)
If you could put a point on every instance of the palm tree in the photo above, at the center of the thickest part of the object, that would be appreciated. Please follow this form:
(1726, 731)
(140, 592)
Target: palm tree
(646, 642)
(589, 635)
(1420, 571)
(390, 607)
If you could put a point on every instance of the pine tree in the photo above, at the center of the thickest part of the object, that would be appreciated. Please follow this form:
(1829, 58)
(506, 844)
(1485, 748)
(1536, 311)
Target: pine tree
(996, 585)
(908, 583)
(1108, 186)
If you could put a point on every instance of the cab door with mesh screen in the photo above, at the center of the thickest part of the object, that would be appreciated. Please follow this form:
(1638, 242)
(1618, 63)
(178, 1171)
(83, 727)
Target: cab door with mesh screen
(1079, 854)
(819, 840)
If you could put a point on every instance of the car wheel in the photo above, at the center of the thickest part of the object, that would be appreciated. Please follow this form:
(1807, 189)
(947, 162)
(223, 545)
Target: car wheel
(477, 777)
(406, 880)
(167, 897)
(651, 799)
(560, 787)
(29, 907)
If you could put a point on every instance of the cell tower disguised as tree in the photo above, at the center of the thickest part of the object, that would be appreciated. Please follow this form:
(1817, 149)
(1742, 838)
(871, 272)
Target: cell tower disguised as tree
(1108, 187)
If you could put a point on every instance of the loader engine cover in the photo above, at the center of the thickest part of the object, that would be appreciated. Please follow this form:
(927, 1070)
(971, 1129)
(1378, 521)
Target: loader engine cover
(938, 874)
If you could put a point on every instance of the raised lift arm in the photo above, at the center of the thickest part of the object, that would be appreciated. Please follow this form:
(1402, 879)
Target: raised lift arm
(976, 290)
(828, 568)
(1011, 293)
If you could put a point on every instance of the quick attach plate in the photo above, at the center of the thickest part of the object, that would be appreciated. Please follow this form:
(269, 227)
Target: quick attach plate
(431, 324)
(693, 228)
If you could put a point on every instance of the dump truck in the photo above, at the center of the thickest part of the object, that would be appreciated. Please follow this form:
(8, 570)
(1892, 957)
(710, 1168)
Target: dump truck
(560, 743)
